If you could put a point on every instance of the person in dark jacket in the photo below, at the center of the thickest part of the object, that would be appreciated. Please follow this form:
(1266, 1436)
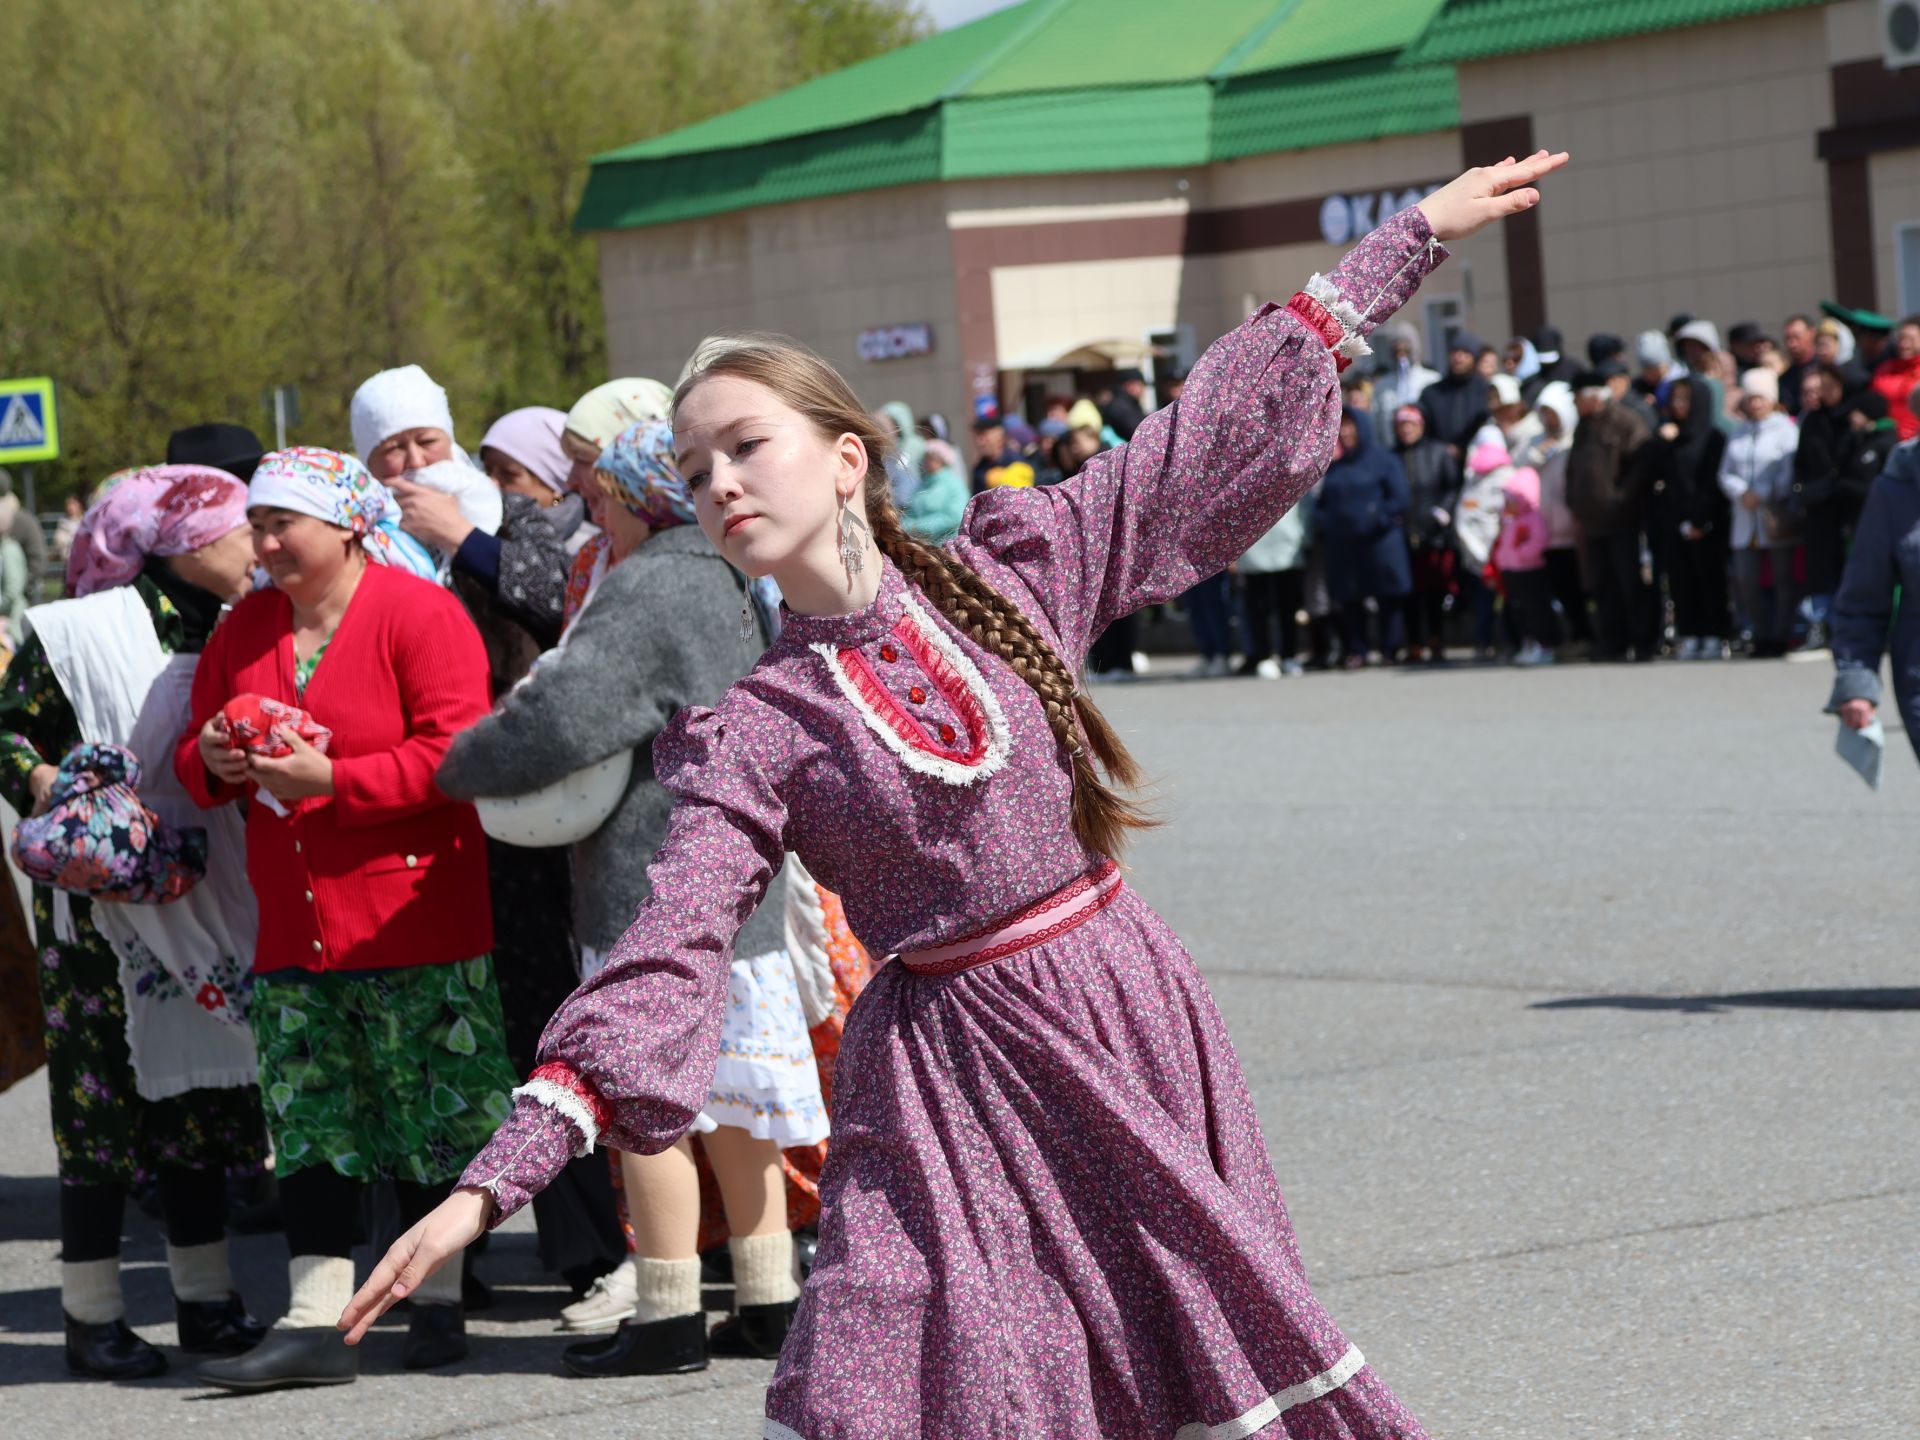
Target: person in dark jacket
(1433, 489)
(1361, 517)
(1870, 443)
(1607, 481)
(1124, 411)
(1456, 405)
(1685, 466)
(1555, 364)
(1885, 562)
(1812, 502)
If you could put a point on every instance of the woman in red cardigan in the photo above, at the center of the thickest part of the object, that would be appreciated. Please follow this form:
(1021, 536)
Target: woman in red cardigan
(375, 1010)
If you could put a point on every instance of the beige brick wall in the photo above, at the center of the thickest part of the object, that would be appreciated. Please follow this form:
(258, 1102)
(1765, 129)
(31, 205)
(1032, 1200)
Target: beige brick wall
(1696, 188)
(820, 270)
(1895, 177)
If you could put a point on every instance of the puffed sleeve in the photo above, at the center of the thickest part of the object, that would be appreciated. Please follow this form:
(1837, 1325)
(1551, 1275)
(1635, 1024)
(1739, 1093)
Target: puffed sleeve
(1205, 477)
(629, 1058)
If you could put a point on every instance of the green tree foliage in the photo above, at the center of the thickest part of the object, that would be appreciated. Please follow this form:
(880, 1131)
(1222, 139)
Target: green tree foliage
(200, 199)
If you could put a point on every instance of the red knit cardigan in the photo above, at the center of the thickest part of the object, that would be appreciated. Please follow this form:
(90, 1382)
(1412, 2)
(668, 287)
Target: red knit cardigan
(386, 871)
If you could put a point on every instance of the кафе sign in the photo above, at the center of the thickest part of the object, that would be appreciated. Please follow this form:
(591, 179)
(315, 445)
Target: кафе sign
(1347, 217)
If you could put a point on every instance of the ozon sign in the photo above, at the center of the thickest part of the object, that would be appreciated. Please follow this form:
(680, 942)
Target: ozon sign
(1348, 217)
(896, 342)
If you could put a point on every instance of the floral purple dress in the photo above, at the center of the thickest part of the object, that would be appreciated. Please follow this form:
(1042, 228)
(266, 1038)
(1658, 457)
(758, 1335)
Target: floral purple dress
(1047, 1211)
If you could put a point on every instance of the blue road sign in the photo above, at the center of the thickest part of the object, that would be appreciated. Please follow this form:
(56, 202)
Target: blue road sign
(29, 423)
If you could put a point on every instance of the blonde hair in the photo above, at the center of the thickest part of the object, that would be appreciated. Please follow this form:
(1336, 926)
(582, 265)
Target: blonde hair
(1102, 815)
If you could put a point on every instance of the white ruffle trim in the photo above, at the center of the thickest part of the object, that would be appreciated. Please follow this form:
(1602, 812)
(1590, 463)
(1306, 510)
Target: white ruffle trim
(954, 772)
(560, 1098)
(1352, 343)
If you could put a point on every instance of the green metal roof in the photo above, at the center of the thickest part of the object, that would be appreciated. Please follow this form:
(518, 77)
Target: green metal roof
(1061, 86)
(1328, 104)
(1482, 29)
(1045, 87)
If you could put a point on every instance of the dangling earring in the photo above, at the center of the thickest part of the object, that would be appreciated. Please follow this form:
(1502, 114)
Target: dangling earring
(747, 628)
(853, 542)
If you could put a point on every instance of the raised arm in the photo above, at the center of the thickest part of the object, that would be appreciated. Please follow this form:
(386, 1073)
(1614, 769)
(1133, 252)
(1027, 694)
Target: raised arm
(1204, 478)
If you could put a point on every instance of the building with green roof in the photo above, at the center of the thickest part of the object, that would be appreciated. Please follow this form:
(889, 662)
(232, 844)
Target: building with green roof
(1002, 210)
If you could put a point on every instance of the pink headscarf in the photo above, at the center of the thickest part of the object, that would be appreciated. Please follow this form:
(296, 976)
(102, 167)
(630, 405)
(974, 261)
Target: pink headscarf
(164, 510)
(532, 437)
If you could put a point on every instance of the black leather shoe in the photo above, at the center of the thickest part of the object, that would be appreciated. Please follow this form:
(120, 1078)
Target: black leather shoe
(217, 1327)
(756, 1332)
(313, 1355)
(111, 1352)
(658, 1347)
(436, 1336)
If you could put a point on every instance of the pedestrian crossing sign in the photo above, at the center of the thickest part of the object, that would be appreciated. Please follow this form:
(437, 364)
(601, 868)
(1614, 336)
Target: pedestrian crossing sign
(29, 426)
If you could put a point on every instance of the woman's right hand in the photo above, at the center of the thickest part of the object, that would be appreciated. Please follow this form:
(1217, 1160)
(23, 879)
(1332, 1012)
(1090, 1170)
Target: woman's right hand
(224, 762)
(1856, 714)
(456, 1222)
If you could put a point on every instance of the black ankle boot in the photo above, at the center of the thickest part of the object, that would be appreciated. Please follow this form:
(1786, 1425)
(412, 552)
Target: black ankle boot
(755, 1332)
(111, 1351)
(436, 1336)
(658, 1347)
(310, 1355)
(217, 1327)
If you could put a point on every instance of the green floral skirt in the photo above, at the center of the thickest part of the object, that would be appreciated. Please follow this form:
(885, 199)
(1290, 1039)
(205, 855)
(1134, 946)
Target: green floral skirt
(103, 1131)
(382, 1074)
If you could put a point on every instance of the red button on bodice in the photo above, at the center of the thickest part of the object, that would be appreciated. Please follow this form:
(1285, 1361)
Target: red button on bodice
(889, 654)
(917, 695)
(947, 734)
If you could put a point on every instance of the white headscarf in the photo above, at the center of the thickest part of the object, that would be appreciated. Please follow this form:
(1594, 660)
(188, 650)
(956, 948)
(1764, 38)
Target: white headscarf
(396, 400)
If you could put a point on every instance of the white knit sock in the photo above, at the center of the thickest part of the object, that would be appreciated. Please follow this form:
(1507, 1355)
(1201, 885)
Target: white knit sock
(763, 1269)
(90, 1291)
(443, 1286)
(199, 1272)
(667, 1289)
(322, 1285)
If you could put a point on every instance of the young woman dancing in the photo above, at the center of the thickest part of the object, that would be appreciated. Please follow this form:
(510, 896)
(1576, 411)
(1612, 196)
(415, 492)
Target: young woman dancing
(1047, 1211)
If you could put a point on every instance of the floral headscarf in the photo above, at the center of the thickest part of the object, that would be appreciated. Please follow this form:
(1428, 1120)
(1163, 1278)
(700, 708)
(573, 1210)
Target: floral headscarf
(338, 489)
(646, 481)
(164, 510)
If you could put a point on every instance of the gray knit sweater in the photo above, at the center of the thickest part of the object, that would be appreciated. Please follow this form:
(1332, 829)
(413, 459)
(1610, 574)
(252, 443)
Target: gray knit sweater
(662, 633)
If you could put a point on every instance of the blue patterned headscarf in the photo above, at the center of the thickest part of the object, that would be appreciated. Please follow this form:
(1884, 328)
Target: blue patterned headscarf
(645, 478)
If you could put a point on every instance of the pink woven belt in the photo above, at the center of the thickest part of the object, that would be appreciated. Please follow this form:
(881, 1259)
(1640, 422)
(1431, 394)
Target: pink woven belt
(1066, 909)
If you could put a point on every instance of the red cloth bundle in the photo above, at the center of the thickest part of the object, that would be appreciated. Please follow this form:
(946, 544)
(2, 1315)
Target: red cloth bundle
(248, 722)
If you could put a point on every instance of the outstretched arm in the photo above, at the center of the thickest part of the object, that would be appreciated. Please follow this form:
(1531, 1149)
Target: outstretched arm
(1253, 430)
(629, 1058)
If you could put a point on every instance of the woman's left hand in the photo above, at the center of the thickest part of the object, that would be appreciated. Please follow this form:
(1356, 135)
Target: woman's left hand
(430, 516)
(306, 772)
(1487, 193)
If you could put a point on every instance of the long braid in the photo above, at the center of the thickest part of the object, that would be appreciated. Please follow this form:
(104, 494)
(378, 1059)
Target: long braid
(1102, 816)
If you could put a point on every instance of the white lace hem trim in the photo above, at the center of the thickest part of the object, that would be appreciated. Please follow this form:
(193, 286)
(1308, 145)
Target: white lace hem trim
(1240, 1428)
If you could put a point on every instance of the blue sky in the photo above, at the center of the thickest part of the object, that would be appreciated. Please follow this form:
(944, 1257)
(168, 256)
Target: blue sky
(948, 13)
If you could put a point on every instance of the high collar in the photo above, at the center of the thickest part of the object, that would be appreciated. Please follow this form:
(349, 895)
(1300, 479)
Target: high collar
(856, 627)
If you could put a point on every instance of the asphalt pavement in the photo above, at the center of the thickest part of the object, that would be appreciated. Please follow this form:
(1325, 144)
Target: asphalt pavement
(1582, 1013)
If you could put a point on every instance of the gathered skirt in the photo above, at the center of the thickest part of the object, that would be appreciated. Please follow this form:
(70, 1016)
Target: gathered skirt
(1048, 1214)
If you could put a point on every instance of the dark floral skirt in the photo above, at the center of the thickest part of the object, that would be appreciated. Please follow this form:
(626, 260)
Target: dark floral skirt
(103, 1131)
